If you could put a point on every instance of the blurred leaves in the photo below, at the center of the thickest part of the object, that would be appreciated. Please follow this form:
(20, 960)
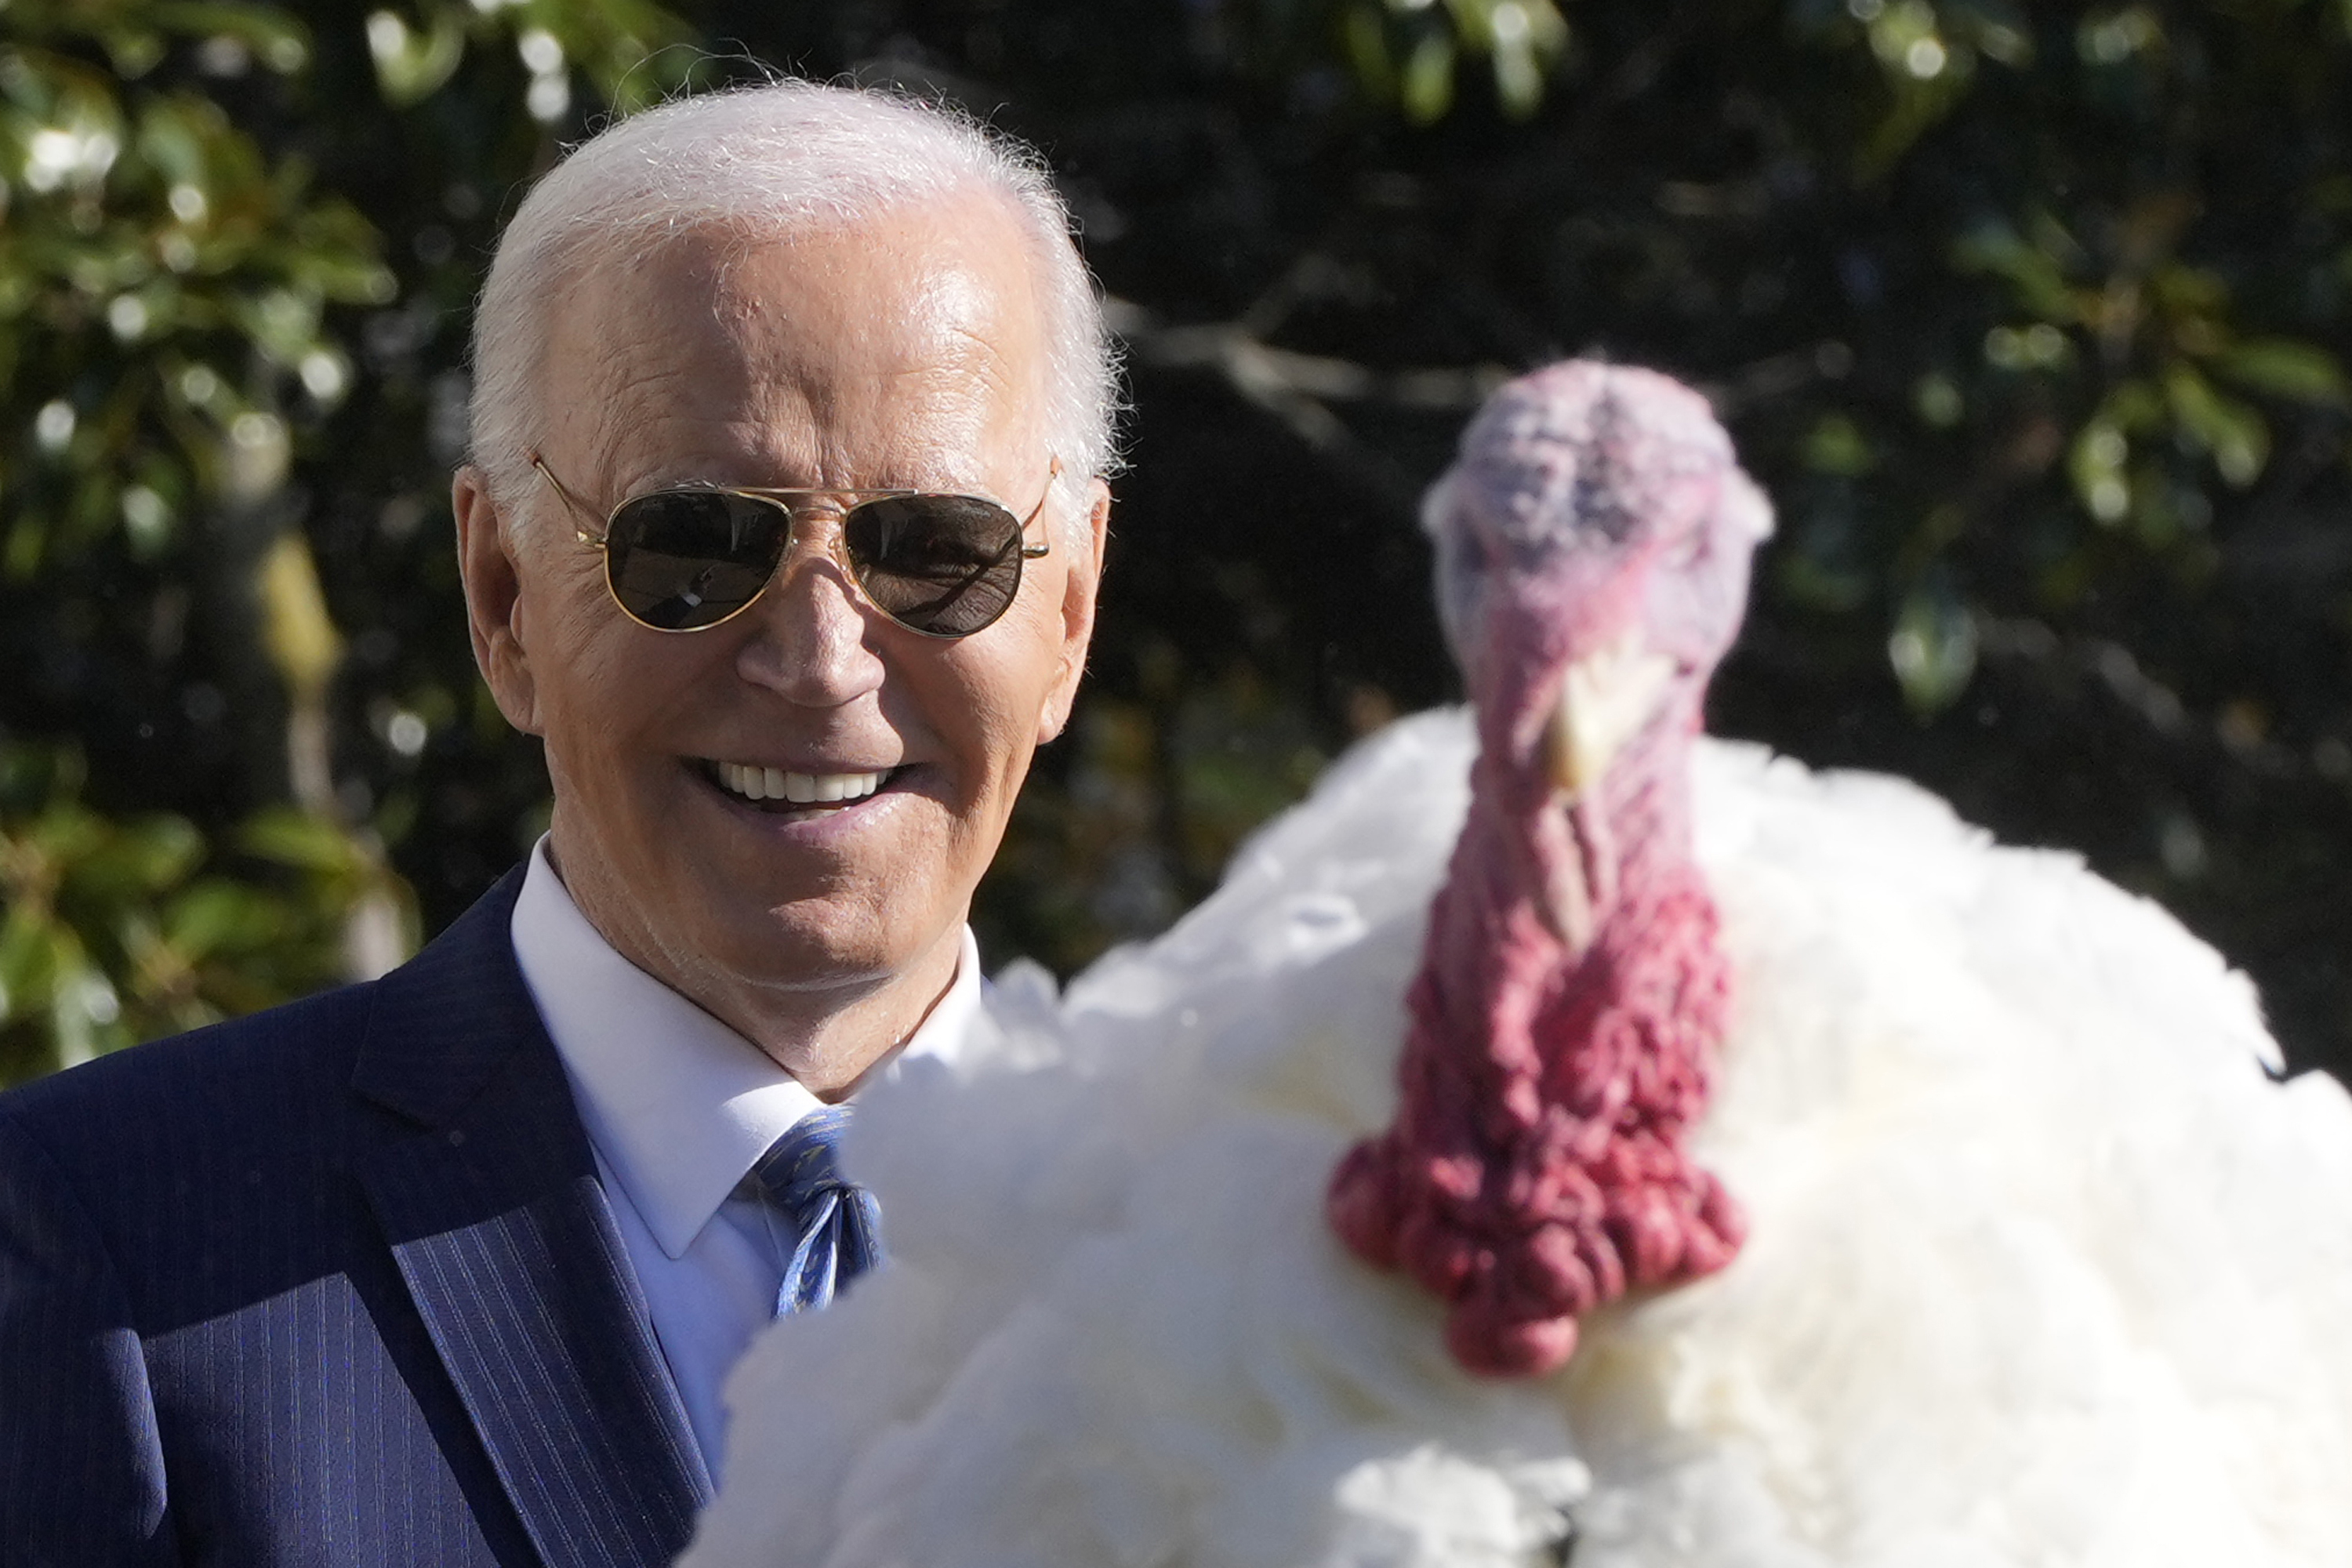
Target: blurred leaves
(2283, 368)
(188, 313)
(1933, 648)
(118, 929)
(615, 42)
(1409, 53)
(2149, 335)
(2033, 319)
(1139, 822)
(170, 282)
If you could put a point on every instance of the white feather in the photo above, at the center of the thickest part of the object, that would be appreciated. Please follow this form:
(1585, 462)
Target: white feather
(2044, 1268)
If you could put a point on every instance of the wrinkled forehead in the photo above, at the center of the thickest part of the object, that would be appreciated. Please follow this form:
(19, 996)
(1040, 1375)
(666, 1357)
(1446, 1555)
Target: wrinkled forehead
(924, 318)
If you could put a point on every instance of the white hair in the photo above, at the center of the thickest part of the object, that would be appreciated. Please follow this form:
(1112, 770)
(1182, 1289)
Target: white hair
(773, 161)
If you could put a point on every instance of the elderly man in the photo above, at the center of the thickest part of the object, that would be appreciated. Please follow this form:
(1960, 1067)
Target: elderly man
(781, 529)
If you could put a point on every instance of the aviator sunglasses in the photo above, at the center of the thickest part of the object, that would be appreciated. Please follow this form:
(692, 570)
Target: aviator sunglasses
(688, 558)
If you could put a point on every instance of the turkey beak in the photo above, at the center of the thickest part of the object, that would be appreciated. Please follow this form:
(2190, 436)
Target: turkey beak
(1605, 699)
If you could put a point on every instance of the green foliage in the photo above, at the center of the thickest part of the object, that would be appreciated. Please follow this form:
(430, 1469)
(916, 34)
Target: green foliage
(150, 243)
(182, 299)
(1408, 53)
(613, 42)
(1157, 792)
(2033, 319)
(116, 929)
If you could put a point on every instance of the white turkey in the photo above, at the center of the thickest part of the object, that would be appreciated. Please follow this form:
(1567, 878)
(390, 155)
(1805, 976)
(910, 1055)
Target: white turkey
(1807, 1179)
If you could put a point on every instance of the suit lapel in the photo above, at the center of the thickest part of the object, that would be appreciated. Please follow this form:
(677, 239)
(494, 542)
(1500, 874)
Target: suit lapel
(490, 1203)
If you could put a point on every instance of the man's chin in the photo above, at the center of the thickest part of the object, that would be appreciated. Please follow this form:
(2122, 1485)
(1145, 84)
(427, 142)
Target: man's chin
(802, 943)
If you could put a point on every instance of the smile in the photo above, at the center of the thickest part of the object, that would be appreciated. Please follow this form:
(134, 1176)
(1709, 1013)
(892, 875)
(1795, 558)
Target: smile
(751, 782)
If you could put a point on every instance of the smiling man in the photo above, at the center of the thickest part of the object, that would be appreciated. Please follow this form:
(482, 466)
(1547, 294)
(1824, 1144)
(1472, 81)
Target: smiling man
(781, 528)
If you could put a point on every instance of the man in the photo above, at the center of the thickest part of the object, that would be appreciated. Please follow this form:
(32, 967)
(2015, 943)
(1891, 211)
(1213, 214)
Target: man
(781, 529)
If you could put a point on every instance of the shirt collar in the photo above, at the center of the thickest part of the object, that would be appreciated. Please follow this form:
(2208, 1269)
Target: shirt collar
(679, 1105)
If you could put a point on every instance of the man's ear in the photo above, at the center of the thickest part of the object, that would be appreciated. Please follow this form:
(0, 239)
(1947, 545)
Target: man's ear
(493, 577)
(1080, 586)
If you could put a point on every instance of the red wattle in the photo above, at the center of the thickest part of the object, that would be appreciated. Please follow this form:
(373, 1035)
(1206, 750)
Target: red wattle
(1536, 1168)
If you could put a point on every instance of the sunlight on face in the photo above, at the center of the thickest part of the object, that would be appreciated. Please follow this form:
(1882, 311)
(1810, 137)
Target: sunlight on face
(903, 350)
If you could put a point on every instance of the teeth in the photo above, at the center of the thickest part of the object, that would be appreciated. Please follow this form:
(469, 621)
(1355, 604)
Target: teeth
(753, 782)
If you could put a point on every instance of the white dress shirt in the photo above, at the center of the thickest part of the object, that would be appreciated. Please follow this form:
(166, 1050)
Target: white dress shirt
(679, 1108)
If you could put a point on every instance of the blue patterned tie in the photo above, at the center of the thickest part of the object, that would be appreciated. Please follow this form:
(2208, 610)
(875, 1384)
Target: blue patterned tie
(839, 1225)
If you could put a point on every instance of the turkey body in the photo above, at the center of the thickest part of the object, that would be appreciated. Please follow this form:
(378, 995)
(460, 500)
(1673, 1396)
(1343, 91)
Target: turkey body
(2042, 1265)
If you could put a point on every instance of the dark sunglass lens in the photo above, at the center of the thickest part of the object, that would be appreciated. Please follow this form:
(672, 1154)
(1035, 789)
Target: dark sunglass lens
(944, 564)
(683, 559)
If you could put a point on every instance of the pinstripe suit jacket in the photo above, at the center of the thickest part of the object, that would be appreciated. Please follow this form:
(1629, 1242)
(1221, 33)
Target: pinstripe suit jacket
(331, 1284)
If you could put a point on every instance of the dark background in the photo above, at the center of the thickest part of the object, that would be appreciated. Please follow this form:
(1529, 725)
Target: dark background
(2029, 320)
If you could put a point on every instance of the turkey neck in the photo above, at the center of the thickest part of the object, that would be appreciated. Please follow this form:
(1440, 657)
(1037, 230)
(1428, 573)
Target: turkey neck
(1535, 1169)
(1530, 1014)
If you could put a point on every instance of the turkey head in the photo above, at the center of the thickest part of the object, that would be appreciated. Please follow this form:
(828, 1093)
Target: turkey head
(1592, 543)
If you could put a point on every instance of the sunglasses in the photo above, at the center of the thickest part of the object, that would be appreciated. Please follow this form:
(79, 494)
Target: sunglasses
(687, 559)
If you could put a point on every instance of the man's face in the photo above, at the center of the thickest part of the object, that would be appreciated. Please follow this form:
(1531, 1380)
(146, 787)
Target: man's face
(904, 350)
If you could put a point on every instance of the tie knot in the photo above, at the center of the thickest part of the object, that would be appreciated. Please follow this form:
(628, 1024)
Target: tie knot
(803, 1166)
(836, 1227)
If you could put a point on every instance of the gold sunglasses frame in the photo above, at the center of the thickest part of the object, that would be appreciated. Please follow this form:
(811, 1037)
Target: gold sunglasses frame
(794, 503)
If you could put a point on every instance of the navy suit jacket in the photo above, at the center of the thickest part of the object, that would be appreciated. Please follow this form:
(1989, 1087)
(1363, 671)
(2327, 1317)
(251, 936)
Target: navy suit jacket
(333, 1284)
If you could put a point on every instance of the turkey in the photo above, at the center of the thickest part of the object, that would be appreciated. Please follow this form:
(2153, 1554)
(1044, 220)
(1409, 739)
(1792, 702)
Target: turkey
(1732, 1164)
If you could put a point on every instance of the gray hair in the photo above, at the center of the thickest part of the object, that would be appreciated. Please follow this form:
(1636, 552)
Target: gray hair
(774, 159)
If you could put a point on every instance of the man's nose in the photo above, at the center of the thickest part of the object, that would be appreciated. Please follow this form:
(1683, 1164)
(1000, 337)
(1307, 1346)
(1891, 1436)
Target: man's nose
(812, 648)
